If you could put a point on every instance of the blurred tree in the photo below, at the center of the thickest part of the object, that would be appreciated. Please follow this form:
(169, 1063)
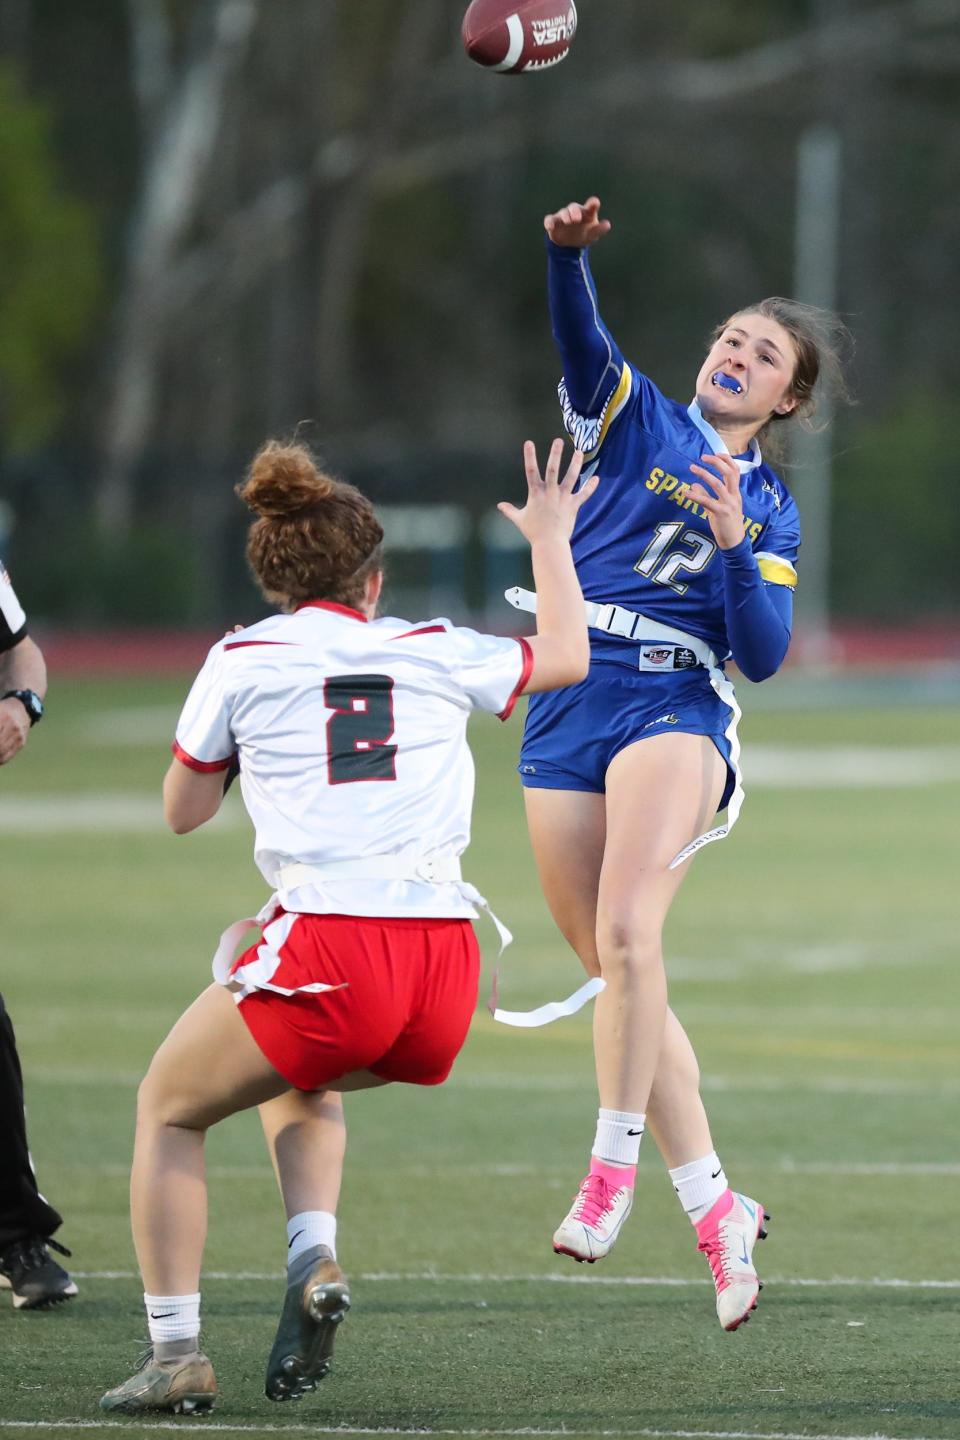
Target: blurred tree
(897, 524)
(182, 131)
(319, 210)
(50, 270)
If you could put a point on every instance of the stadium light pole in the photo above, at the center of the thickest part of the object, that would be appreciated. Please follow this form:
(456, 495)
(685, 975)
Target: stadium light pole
(816, 250)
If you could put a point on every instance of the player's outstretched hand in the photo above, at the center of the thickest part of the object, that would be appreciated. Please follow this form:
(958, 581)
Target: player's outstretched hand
(576, 225)
(552, 505)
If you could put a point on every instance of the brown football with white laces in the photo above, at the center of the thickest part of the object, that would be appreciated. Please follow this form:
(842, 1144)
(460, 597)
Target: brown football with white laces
(519, 37)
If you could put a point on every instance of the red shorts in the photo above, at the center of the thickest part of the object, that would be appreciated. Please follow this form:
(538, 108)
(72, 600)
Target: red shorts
(404, 1011)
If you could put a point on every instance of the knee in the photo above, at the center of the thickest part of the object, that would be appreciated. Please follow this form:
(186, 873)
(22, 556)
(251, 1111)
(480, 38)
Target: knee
(159, 1103)
(150, 1104)
(628, 947)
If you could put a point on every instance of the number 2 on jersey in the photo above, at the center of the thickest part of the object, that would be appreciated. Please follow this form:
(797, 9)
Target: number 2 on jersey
(702, 551)
(358, 729)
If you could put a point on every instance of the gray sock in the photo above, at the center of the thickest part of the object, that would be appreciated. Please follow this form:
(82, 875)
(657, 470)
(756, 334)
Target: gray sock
(176, 1349)
(300, 1268)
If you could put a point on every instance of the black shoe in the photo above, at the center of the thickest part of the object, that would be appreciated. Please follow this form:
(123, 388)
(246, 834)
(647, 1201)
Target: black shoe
(312, 1311)
(35, 1278)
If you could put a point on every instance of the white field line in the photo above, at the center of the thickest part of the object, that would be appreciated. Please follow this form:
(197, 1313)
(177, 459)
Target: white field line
(673, 1282)
(809, 767)
(831, 1085)
(566, 1433)
(129, 725)
(724, 1084)
(86, 812)
(894, 1168)
(868, 1167)
(845, 766)
(824, 959)
(569, 1084)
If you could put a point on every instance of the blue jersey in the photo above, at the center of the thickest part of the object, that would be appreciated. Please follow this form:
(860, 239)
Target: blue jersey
(642, 542)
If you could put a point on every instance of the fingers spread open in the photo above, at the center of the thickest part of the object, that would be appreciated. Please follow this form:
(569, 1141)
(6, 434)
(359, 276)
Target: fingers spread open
(586, 490)
(573, 471)
(552, 467)
(530, 465)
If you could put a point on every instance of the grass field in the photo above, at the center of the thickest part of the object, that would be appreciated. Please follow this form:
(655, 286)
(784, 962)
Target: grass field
(813, 957)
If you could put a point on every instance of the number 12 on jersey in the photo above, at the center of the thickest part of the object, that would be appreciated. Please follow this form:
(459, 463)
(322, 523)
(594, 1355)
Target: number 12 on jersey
(359, 728)
(696, 559)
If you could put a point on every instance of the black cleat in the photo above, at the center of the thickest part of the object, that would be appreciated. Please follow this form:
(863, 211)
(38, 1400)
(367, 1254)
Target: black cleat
(303, 1348)
(35, 1278)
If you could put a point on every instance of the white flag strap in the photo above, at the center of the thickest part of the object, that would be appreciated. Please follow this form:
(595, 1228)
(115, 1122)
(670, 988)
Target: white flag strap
(553, 1010)
(724, 689)
(275, 924)
(227, 949)
(258, 973)
(438, 869)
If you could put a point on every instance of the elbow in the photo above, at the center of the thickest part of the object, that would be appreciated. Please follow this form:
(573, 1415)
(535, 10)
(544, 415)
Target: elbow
(757, 668)
(181, 813)
(578, 663)
(178, 823)
(757, 674)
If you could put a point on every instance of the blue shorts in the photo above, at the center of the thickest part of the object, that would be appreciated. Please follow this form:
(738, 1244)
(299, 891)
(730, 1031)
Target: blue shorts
(571, 735)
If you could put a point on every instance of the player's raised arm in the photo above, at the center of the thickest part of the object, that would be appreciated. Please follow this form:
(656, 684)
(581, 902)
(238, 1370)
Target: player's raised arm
(561, 649)
(592, 362)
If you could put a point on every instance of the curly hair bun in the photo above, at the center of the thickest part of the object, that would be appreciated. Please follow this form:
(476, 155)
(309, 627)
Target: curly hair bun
(284, 480)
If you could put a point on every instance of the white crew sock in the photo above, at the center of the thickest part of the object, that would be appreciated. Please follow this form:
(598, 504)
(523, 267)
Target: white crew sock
(699, 1185)
(618, 1137)
(309, 1229)
(173, 1317)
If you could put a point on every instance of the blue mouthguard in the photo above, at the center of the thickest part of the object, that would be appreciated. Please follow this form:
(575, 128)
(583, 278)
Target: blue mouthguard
(728, 382)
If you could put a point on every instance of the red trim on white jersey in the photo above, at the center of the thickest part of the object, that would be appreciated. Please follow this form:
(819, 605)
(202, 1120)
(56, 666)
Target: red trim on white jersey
(332, 605)
(242, 644)
(204, 767)
(424, 630)
(525, 674)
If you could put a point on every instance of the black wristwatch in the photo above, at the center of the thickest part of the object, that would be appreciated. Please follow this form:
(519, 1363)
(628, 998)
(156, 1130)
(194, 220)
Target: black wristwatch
(30, 701)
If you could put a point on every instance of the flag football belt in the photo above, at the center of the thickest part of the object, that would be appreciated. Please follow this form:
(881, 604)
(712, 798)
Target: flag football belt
(441, 869)
(663, 648)
(679, 651)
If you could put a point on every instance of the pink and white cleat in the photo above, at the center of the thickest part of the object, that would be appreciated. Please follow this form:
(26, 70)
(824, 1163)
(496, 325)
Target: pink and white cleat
(591, 1228)
(727, 1235)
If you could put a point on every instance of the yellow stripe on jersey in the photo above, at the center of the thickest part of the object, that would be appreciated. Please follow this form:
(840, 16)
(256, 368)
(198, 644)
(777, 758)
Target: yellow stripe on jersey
(775, 570)
(615, 404)
(588, 432)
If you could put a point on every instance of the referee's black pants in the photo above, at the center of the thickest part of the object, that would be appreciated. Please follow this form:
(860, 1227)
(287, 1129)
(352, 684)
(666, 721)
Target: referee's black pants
(24, 1213)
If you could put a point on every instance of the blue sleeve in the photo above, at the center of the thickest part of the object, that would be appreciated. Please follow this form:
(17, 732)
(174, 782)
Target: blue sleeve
(592, 363)
(759, 616)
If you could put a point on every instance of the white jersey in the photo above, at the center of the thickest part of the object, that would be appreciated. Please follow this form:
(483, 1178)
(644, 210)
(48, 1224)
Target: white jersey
(351, 736)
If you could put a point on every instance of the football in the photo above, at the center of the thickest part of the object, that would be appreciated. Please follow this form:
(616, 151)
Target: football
(519, 36)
